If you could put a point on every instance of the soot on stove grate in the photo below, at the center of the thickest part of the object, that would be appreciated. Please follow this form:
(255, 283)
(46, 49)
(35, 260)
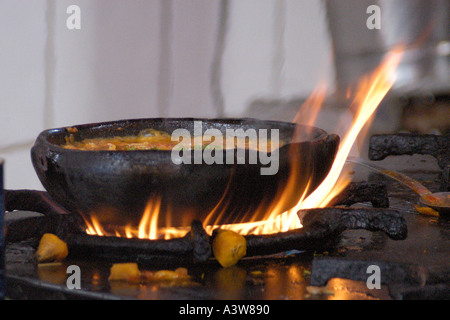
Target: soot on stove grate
(438, 146)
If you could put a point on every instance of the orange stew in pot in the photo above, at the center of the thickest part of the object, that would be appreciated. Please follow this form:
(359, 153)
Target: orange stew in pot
(151, 139)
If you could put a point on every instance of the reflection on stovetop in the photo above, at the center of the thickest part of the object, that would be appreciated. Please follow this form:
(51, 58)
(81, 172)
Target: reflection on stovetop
(414, 268)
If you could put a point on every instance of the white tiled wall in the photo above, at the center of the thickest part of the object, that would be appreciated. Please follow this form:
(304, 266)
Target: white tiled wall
(275, 49)
(148, 58)
(22, 86)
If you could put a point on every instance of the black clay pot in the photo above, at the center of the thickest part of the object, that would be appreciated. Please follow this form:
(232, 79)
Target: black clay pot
(116, 185)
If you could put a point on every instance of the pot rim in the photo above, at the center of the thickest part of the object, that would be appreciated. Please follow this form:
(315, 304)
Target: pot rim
(43, 138)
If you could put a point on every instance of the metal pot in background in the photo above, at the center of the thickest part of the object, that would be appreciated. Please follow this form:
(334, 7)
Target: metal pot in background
(421, 25)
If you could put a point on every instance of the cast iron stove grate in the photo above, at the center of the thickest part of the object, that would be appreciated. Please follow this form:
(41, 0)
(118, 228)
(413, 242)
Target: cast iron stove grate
(336, 243)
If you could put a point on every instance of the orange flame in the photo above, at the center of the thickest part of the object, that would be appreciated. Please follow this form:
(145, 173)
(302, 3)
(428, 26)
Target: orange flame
(370, 92)
(93, 227)
(309, 111)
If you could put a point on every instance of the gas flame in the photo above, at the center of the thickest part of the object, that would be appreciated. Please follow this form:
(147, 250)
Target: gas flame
(93, 227)
(369, 93)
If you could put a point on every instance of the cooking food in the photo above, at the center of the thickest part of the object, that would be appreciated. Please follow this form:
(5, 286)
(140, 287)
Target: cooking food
(228, 247)
(51, 248)
(150, 139)
(129, 272)
(125, 272)
(179, 274)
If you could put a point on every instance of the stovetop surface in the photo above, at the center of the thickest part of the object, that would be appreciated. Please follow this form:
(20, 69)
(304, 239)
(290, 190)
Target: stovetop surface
(284, 276)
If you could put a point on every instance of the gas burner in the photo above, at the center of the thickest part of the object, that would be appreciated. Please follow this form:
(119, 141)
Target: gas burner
(340, 241)
(369, 223)
(320, 229)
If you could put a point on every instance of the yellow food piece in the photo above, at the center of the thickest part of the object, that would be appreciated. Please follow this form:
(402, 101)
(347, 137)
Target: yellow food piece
(228, 247)
(313, 290)
(427, 211)
(182, 272)
(166, 275)
(125, 272)
(51, 248)
(163, 275)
